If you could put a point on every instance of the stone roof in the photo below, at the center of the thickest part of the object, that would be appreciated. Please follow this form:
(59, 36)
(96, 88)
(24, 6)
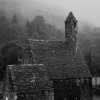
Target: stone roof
(71, 18)
(61, 59)
(29, 78)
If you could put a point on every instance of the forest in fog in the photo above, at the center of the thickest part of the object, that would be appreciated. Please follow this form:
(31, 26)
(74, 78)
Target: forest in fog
(45, 25)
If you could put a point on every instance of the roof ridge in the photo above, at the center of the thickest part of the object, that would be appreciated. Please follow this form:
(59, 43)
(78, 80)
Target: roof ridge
(45, 40)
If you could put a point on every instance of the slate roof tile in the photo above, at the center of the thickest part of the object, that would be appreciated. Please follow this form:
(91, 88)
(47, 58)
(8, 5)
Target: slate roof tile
(29, 77)
(61, 60)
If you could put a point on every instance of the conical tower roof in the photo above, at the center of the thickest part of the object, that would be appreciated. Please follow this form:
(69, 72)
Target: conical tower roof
(71, 18)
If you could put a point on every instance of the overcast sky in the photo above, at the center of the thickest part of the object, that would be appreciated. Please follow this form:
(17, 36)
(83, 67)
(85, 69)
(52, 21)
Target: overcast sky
(88, 10)
(84, 10)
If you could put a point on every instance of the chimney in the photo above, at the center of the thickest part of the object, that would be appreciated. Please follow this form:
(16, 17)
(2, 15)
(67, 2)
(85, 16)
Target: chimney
(71, 29)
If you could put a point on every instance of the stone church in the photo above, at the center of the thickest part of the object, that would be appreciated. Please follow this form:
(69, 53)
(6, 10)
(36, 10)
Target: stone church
(55, 70)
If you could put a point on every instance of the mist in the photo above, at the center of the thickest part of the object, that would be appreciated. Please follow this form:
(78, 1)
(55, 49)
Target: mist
(52, 12)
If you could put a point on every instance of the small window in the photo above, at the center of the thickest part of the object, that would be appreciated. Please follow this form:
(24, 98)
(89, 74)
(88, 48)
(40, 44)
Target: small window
(75, 24)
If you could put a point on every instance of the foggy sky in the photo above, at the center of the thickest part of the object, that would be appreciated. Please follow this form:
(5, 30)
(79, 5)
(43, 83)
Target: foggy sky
(84, 10)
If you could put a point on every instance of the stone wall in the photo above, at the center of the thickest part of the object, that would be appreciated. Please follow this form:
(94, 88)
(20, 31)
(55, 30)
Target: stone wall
(73, 89)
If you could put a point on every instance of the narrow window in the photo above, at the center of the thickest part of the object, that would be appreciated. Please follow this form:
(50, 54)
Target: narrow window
(75, 25)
